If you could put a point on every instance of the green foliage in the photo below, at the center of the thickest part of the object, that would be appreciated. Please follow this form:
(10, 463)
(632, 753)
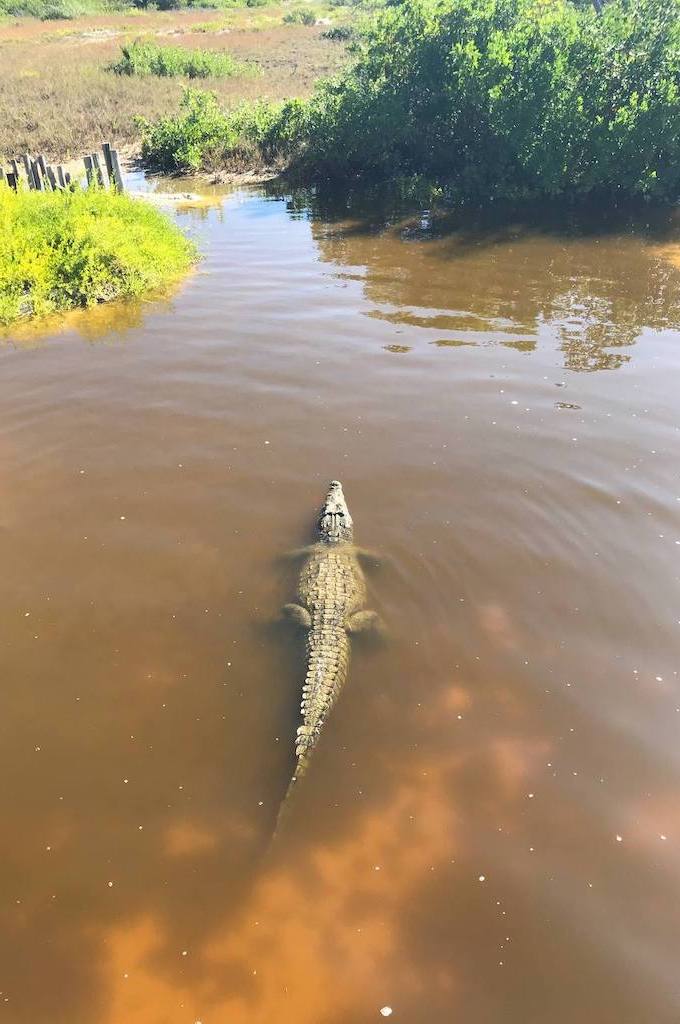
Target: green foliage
(145, 58)
(62, 250)
(502, 98)
(65, 9)
(300, 16)
(506, 97)
(49, 10)
(485, 98)
(203, 136)
(339, 33)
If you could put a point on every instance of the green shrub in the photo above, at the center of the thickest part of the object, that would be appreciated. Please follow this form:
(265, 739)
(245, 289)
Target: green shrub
(300, 16)
(142, 58)
(506, 97)
(61, 9)
(48, 10)
(481, 98)
(339, 33)
(203, 136)
(61, 250)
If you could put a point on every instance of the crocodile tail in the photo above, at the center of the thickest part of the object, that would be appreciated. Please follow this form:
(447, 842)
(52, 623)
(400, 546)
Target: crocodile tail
(300, 770)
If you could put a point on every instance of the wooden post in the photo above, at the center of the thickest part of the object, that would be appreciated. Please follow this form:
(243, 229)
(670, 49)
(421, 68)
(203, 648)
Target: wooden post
(39, 182)
(106, 150)
(28, 167)
(14, 168)
(116, 173)
(102, 177)
(51, 177)
(2, 174)
(89, 169)
(40, 160)
(67, 179)
(13, 180)
(60, 176)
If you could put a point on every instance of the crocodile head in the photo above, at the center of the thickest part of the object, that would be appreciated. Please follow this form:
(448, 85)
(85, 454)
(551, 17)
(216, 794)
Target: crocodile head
(335, 522)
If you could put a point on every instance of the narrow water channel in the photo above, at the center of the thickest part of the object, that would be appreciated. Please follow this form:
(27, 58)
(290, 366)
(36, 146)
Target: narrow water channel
(490, 830)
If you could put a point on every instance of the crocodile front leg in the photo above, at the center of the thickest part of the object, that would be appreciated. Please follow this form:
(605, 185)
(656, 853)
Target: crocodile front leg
(297, 614)
(359, 622)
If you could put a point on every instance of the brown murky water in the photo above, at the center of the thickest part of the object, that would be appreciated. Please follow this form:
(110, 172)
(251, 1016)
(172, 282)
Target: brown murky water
(491, 829)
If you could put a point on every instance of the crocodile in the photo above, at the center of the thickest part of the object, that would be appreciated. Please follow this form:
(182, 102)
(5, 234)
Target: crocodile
(330, 607)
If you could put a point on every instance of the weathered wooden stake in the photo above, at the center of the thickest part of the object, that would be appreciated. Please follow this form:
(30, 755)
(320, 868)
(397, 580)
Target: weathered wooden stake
(106, 150)
(38, 180)
(40, 160)
(13, 180)
(28, 167)
(89, 169)
(14, 168)
(101, 176)
(51, 177)
(60, 176)
(67, 178)
(116, 173)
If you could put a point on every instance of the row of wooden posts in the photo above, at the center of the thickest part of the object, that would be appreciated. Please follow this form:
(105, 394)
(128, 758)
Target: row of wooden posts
(40, 175)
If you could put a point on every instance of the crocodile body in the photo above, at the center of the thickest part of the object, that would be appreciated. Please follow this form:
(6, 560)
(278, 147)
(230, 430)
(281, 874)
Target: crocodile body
(331, 598)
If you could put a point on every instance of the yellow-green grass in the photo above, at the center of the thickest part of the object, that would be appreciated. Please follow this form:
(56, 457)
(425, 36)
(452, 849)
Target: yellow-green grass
(65, 250)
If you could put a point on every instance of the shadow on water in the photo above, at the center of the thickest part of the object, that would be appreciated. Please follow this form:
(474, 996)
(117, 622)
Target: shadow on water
(508, 270)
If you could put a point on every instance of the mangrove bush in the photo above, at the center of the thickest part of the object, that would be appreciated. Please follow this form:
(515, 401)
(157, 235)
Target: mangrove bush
(494, 98)
(203, 136)
(61, 250)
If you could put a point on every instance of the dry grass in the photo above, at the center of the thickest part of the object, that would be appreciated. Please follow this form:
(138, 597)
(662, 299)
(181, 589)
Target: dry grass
(57, 98)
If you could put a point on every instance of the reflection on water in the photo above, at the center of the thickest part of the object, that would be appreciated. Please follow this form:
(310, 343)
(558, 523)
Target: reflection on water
(93, 324)
(589, 295)
(489, 829)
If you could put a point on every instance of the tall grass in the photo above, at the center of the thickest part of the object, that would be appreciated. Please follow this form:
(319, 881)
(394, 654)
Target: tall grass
(62, 250)
(57, 98)
(146, 58)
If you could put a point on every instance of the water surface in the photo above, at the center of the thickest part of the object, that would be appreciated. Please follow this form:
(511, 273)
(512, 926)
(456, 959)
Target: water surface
(490, 831)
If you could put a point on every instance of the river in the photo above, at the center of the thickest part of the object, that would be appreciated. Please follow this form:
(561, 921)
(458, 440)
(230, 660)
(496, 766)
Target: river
(490, 829)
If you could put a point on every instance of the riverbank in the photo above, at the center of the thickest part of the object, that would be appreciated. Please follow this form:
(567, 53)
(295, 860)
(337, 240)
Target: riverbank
(508, 101)
(64, 250)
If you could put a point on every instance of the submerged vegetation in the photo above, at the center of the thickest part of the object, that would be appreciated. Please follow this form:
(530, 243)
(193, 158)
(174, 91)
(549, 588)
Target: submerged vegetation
(500, 98)
(147, 58)
(63, 250)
